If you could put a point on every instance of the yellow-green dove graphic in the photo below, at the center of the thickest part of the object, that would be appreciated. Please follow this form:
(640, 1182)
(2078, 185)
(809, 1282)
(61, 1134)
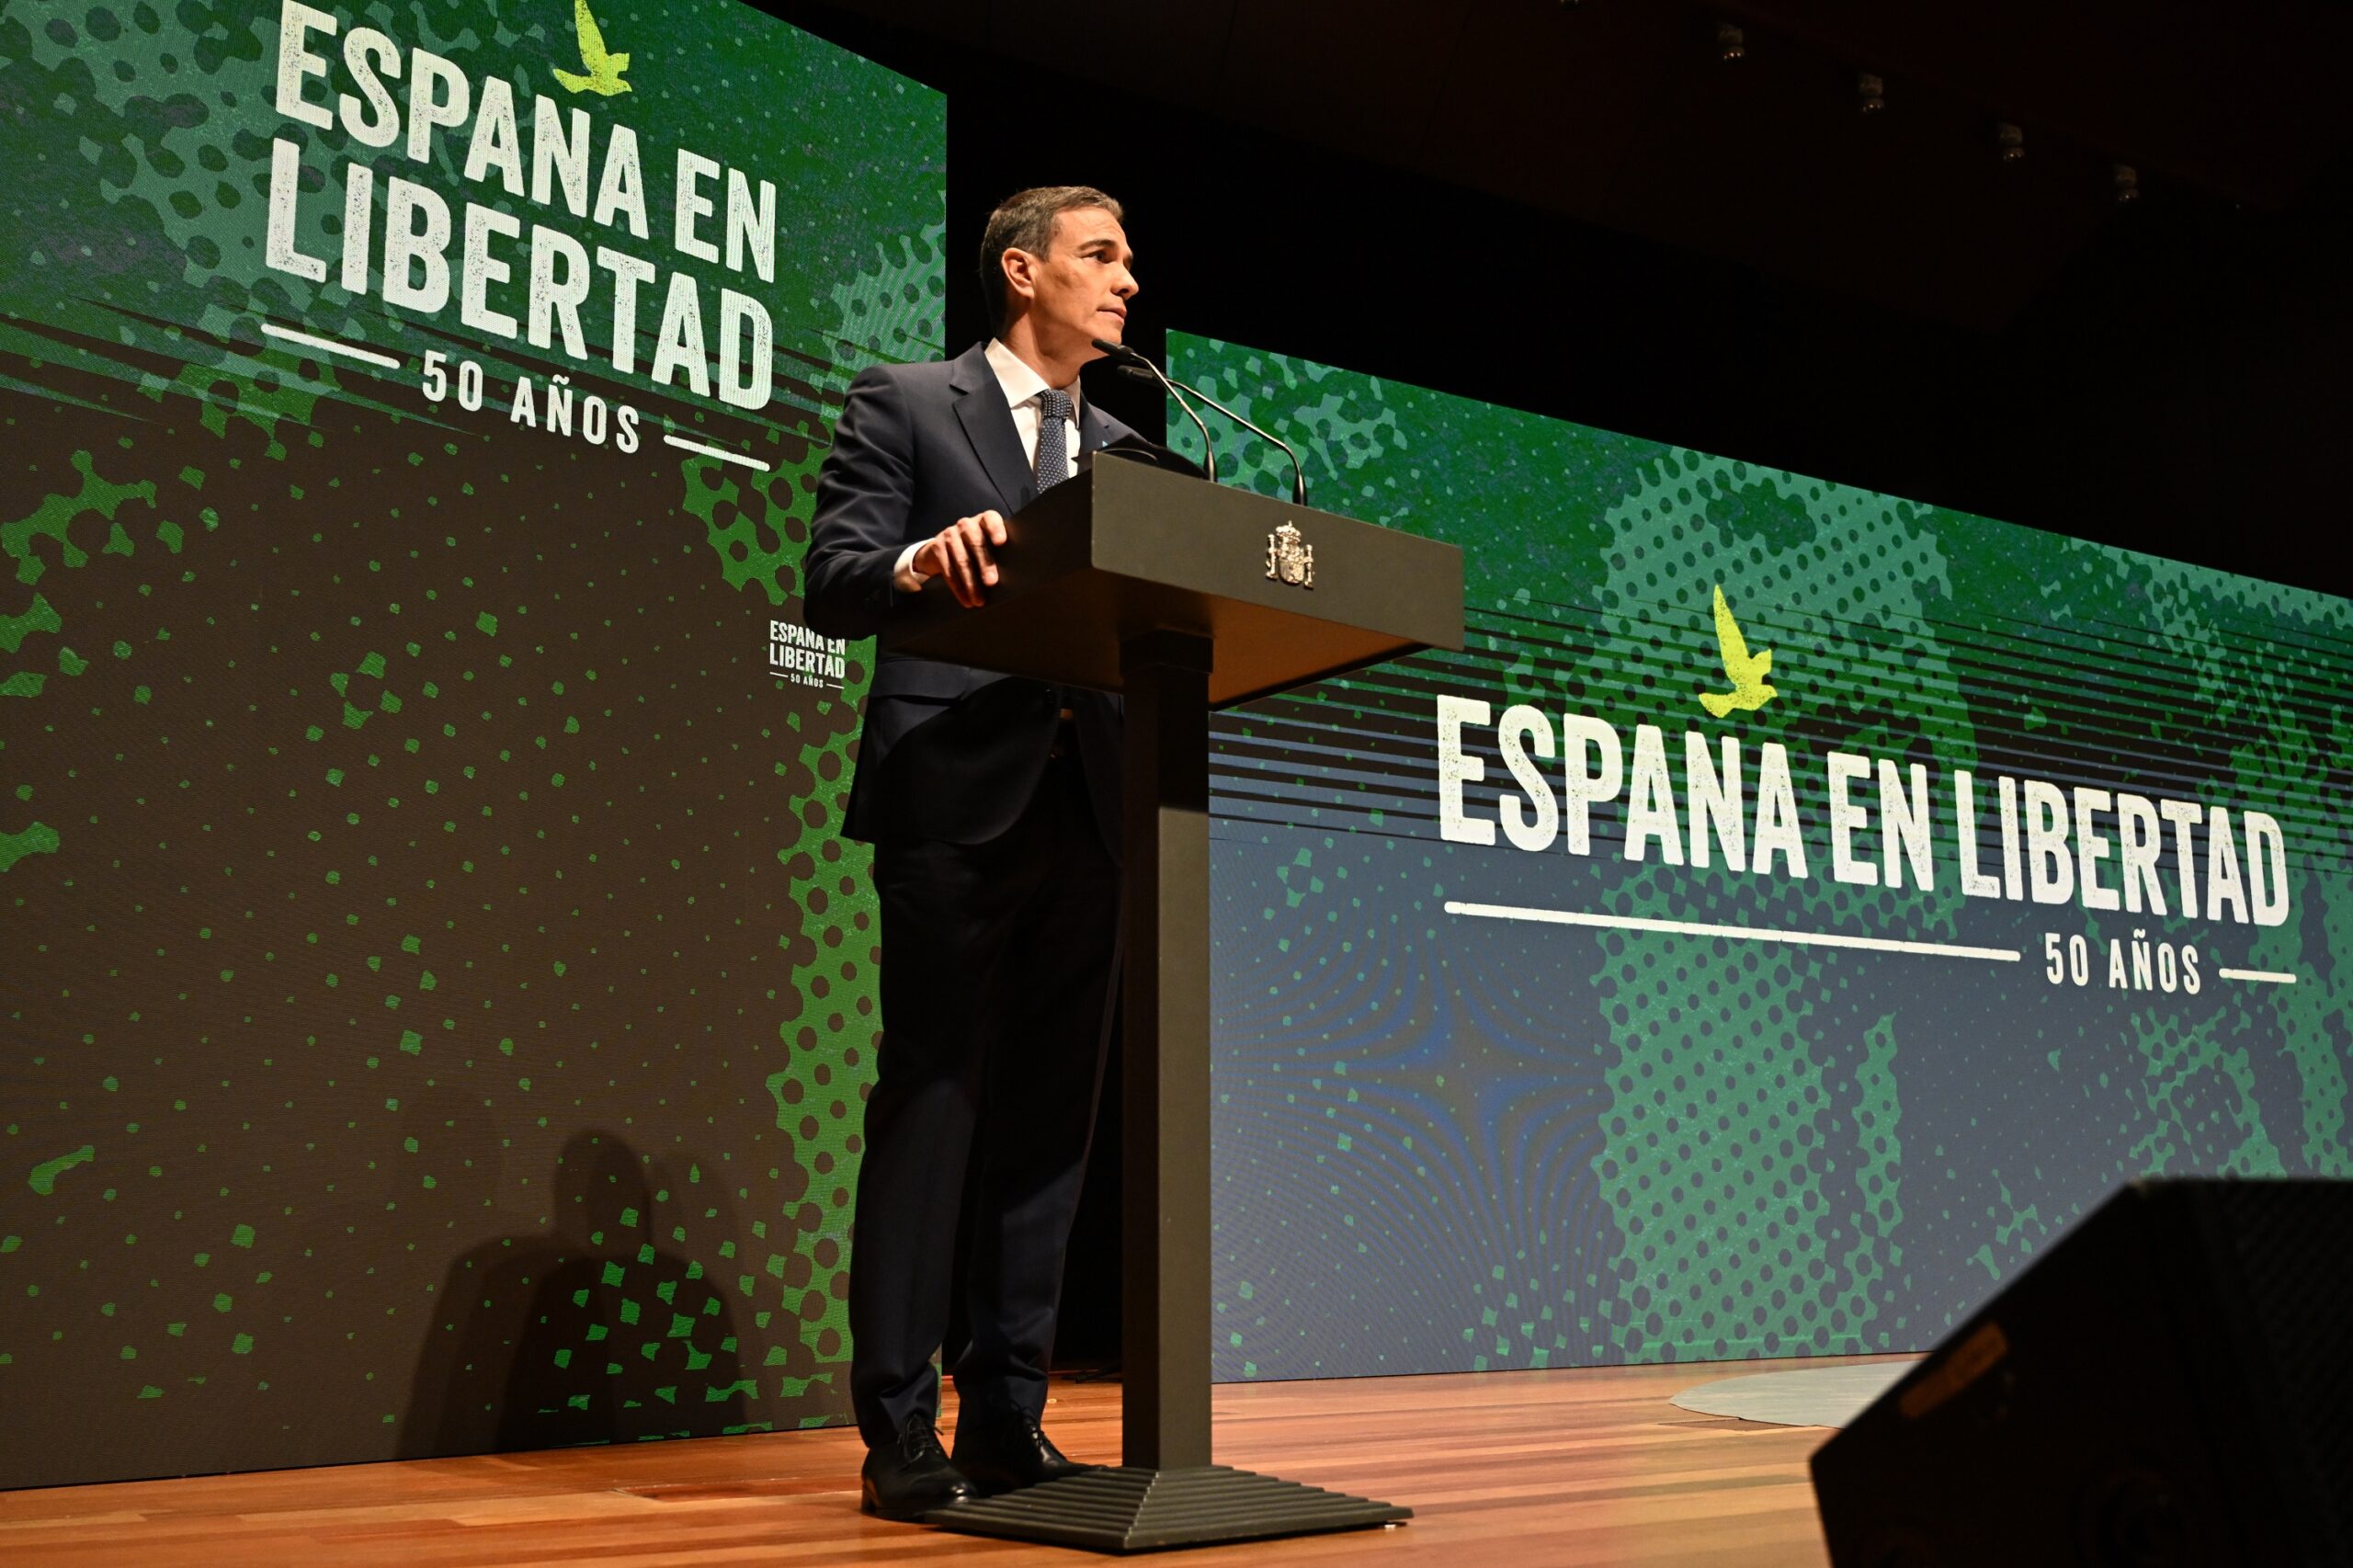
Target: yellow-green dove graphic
(1746, 671)
(604, 68)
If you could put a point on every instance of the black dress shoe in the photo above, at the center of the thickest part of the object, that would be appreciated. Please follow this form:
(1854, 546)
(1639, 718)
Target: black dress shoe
(911, 1475)
(1001, 1447)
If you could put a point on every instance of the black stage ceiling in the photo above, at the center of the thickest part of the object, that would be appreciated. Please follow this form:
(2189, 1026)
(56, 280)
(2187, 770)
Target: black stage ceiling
(1622, 113)
(1583, 209)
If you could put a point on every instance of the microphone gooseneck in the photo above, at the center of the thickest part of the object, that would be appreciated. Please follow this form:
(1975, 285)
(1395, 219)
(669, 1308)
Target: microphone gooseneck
(1142, 369)
(1131, 361)
(1298, 470)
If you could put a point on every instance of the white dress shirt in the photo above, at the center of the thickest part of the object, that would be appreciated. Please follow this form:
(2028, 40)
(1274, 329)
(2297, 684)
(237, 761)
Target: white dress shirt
(1021, 386)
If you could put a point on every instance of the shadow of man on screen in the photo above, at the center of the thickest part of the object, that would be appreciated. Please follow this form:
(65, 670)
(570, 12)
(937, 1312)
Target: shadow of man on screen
(596, 1333)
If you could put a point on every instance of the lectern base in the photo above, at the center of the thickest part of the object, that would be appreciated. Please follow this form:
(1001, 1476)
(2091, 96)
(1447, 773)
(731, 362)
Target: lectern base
(1133, 1509)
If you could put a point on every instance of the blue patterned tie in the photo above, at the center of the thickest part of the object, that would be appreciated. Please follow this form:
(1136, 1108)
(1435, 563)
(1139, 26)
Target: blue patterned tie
(1053, 438)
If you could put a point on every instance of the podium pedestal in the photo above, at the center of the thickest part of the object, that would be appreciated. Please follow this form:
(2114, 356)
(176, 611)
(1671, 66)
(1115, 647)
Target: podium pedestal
(1131, 1509)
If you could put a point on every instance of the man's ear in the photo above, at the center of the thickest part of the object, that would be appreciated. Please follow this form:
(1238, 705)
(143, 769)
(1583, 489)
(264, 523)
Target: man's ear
(1020, 272)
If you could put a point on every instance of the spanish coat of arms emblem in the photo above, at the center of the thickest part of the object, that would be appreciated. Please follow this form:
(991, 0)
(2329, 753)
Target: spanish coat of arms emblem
(1290, 561)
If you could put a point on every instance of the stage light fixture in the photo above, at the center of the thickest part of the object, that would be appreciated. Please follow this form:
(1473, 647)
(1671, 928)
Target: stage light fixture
(1731, 44)
(2009, 140)
(1870, 92)
(2125, 181)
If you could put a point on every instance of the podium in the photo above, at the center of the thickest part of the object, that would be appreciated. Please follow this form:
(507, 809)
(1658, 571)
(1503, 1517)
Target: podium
(1184, 596)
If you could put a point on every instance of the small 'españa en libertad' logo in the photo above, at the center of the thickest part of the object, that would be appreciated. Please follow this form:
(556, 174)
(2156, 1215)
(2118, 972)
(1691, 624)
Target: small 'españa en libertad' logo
(605, 67)
(799, 655)
(1746, 671)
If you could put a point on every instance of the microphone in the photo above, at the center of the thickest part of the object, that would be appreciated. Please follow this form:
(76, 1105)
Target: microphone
(1298, 471)
(1129, 360)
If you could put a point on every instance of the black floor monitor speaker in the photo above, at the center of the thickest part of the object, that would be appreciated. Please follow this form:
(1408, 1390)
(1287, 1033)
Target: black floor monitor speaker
(2171, 1384)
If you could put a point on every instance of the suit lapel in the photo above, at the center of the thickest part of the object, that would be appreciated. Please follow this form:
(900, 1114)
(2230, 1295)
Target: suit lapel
(1094, 428)
(988, 425)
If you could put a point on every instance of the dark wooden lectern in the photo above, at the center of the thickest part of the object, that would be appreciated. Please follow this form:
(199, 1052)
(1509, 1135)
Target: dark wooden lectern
(1184, 596)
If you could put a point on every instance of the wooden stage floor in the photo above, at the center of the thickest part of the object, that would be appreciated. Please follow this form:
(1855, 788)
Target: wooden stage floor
(1590, 1466)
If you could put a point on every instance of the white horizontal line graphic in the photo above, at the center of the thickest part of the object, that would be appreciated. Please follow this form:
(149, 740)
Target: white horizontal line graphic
(720, 452)
(1733, 933)
(329, 346)
(2267, 976)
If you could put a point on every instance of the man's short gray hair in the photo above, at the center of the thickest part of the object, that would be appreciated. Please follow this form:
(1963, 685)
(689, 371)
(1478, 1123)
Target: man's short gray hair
(1025, 221)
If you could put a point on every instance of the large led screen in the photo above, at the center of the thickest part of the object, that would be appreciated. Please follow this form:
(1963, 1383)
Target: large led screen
(436, 996)
(1791, 911)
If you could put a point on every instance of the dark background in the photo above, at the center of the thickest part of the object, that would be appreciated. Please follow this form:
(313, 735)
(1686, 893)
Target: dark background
(1581, 211)
(1584, 211)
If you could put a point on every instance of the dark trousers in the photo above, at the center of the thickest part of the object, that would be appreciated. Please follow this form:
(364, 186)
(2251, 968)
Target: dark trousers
(997, 967)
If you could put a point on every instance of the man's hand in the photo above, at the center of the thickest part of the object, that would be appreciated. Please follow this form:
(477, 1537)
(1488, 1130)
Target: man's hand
(961, 554)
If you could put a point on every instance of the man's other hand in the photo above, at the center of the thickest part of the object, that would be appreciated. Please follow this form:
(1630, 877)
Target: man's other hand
(962, 552)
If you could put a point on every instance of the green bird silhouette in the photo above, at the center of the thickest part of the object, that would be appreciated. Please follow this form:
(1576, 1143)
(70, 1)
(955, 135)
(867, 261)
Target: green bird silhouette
(1746, 671)
(604, 68)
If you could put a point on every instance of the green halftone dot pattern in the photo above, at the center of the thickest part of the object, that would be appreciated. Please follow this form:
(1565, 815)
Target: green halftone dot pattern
(1646, 1145)
(2283, 743)
(892, 305)
(2015, 1230)
(820, 1093)
(425, 859)
(1347, 432)
(165, 114)
(1325, 947)
(478, 734)
(2309, 1020)
(1731, 1252)
(758, 524)
(95, 501)
(759, 521)
(1878, 1213)
(2202, 1110)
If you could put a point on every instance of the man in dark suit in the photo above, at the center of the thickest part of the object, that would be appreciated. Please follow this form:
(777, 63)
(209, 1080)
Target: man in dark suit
(993, 807)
